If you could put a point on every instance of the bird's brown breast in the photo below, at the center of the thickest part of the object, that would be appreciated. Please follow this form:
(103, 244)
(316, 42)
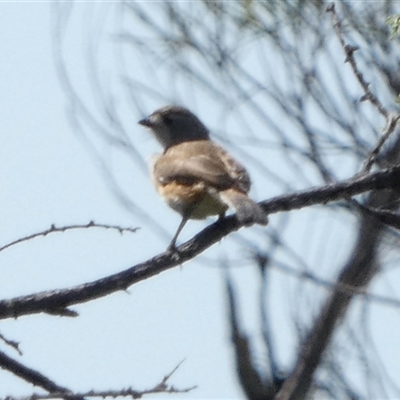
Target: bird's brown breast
(190, 175)
(196, 201)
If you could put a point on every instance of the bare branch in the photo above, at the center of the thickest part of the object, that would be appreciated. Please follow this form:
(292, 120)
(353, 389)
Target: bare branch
(360, 269)
(391, 120)
(11, 343)
(251, 380)
(54, 229)
(57, 301)
(161, 387)
(390, 127)
(349, 51)
(337, 286)
(34, 377)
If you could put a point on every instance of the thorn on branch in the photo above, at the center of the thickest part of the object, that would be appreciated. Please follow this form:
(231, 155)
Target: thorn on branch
(330, 8)
(11, 343)
(166, 377)
(349, 50)
(62, 312)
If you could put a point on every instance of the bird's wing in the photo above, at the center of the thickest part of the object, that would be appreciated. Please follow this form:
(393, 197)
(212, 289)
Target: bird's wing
(192, 170)
(212, 165)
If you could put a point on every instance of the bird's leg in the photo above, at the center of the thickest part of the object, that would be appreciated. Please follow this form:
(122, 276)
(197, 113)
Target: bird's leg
(221, 216)
(172, 245)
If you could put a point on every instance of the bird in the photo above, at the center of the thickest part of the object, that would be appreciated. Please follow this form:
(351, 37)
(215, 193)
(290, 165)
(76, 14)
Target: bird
(194, 175)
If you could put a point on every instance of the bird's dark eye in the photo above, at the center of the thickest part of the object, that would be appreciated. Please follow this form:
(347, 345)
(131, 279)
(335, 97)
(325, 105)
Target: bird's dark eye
(167, 120)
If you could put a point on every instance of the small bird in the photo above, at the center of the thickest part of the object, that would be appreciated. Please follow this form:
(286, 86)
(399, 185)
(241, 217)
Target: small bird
(195, 176)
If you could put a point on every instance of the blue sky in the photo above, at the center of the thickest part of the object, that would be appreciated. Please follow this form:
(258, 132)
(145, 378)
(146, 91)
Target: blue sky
(127, 339)
(50, 177)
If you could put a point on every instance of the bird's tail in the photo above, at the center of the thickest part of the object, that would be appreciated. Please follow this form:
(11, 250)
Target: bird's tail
(248, 212)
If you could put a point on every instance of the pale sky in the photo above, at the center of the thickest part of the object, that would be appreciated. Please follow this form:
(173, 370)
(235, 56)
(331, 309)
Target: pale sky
(124, 340)
(49, 177)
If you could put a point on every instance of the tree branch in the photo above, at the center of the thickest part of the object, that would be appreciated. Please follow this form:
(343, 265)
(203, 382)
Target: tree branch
(349, 51)
(55, 229)
(361, 268)
(57, 301)
(33, 377)
(56, 392)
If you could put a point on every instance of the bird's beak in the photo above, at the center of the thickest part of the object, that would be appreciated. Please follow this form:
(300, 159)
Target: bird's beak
(145, 122)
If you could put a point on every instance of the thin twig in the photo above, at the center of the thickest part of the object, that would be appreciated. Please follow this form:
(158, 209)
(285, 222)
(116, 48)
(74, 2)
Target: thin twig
(134, 394)
(349, 51)
(390, 127)
(337, 286)
(389, 218)
(161, 387)
(54, 229)
(391, 120)
(11, 343)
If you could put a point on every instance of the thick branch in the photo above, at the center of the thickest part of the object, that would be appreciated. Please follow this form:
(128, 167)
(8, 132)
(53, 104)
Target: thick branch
(57, 301)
